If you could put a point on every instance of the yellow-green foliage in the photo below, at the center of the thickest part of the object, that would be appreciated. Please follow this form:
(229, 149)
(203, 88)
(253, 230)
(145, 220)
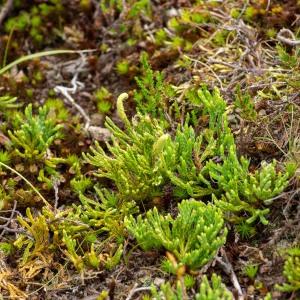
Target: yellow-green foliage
(35, 135)
(193, 237)
(79, 233)
(153, 94)
(215, 290)
(209, 290)
(291, 271)
(135, 165)
(145, 158)
(7, 102)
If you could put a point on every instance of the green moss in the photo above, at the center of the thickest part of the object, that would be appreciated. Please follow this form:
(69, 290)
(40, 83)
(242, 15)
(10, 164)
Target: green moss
(103, 98)
(6, 248)
(250, 13)
(122, 67)
(235, 13)
(32, 21)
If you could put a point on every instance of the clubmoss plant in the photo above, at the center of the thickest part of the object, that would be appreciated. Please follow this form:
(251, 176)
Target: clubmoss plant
(107, 214)
(214, 290)
(144, 159)
(209, 290)
(135, 165)
(193, 237)
(291, 271)
(7, 102)
(81, 184)
(212, 157)
(153, 94)
(245, 104)
(245, 191)
(36, 135)
(88, 235)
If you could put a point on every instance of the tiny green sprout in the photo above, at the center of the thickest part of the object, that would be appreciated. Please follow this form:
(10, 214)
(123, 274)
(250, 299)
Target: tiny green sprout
(57, 109)
(36, 21)
(174, 24)
(288, 60)
(131, 42)
(213, 289)
(5, 157)
(90, 238)
(81, 184)
(235, 13)
(17, 23)
(245, 104)
(38, 76)
(189, 281)
(160, 37)
(104, 106)
(268, 296)
(138, 7)
(122, 67)
(177, 42)
(103, 98)
(114, 259)
(6, 248)
(245, 230)
(250, 270)
(187, 16)
(271, 33)
(220, 37)
(250, 13)
(102, 94)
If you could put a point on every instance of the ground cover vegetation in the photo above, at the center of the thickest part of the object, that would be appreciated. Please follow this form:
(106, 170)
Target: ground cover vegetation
(149, 149)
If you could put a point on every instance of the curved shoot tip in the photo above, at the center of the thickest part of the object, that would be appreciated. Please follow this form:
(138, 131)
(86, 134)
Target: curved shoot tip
(122, 97)
(159, 145)
(121, 110)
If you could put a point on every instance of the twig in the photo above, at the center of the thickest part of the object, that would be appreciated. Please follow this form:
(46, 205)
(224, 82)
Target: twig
(6, 10)
(5, 226)
(136, 290)
(56, 196)
(289, 41)
(66, 91)
(228, 269)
